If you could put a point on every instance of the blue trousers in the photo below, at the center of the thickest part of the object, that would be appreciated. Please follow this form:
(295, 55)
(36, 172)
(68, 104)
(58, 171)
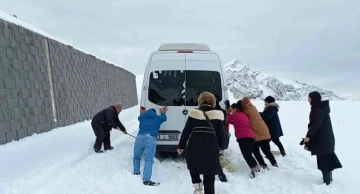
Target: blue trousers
(144, 144)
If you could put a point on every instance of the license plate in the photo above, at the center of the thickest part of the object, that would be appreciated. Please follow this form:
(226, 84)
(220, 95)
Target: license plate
(168, 137)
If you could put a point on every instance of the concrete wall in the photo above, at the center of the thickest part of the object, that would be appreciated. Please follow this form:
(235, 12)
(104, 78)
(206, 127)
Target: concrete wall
(45, 84)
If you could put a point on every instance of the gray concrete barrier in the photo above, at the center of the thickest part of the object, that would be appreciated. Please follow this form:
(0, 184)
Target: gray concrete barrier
(45, 84)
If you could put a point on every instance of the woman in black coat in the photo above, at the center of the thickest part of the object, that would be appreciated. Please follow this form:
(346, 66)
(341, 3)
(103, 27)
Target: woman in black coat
(202, 138)
(320, 136)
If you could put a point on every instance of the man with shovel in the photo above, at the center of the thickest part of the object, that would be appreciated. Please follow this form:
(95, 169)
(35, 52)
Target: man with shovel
(102, 123)
(145, 142)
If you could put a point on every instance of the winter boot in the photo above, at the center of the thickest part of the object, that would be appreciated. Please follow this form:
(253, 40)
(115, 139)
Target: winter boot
(109, 148)
(222, 177)
(151, 183)
(198, 188)
(331, 179)
(252, 174)
(98, 151)
(326, 177)
(257, 168)
(265, 167)
(254, 171)
(282, 152)
(275, 164)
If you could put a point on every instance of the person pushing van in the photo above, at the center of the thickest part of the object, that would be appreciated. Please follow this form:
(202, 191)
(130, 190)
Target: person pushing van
(145, 142)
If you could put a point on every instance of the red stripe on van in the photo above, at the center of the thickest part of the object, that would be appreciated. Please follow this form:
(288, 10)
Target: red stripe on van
(185, 51)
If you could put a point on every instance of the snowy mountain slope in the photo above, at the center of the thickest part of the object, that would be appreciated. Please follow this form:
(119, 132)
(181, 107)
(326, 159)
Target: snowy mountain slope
(257, 84)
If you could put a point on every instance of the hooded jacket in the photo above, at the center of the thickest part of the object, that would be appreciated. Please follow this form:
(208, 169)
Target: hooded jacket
(271, 118)
(150, 122)
(320, 129)
(257, 124)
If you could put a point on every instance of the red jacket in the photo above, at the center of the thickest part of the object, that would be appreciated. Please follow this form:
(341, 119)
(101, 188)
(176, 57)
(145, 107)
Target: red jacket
(241, 125)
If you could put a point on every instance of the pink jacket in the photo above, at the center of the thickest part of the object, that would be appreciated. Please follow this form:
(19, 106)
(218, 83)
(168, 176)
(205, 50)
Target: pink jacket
(241, 125)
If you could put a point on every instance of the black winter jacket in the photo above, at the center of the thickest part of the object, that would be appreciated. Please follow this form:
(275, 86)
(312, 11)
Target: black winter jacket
(108, 117)
(271, 118)
(201, 142)
(320, 129)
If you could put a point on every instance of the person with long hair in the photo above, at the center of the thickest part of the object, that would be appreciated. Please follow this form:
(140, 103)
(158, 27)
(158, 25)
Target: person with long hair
(244, 136)
(202, 138)
(262, 134)
(320, 137)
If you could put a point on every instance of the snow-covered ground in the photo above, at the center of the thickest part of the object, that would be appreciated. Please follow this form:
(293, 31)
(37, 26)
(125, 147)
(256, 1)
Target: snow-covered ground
(62, 161)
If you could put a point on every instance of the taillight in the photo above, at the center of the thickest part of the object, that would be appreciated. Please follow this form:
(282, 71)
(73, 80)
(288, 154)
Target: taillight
(184, 51)
(142, 108)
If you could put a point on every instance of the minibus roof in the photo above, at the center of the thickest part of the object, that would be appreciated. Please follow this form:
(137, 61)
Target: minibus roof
(184, 47)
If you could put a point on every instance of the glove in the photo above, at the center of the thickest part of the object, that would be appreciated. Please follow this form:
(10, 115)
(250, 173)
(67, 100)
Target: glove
(302, 142)
(307, 145)
(227, 104)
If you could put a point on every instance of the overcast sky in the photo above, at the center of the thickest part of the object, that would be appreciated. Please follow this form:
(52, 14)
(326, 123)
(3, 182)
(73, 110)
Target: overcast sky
(316, 42)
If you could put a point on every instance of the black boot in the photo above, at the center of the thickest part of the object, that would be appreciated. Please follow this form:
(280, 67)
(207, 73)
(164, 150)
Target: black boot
(98, 151)
(222, 177)
(331, 179)
(151, 183)
(282, 152)
(109, 148)
(326, 177)
(265, 167)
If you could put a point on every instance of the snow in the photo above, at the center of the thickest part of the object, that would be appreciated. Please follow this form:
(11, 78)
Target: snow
(139, 81)
(61, 161)
(9, 18)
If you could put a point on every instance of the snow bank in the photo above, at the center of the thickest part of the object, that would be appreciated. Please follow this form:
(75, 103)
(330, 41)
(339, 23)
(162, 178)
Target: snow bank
(9, 18)
(61, 161)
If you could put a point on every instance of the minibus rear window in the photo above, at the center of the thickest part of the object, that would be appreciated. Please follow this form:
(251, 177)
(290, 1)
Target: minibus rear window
(198, 81)
(166, 88)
